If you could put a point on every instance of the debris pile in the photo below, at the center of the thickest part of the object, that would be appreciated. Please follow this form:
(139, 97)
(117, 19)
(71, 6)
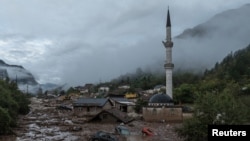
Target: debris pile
(47, 122)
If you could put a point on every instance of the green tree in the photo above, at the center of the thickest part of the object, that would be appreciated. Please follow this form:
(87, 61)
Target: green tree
(4, 121)
(7, 102)
(13, 102)
(185, 93)
(139, 104)
(71, 90)
(210, 108)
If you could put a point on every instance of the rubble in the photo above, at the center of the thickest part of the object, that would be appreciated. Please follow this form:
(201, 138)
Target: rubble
(46, 122)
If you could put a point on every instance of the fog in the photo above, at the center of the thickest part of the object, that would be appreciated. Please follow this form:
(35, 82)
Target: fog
(90, 41)
(209, 42)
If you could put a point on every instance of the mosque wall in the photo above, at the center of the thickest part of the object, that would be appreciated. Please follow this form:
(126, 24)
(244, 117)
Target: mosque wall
(159, 114)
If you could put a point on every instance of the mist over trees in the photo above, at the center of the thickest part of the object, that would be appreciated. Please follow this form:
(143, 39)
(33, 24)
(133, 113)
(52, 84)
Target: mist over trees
(221, 97)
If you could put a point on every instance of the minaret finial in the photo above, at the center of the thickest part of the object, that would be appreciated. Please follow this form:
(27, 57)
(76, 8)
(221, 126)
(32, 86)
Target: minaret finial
(168, 19)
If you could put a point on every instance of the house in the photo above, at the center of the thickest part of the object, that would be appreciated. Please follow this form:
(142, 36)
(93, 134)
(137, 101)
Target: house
(149, 91)
(123, 104)
(116, 93)
(112, 116)
(159, 88)
(103, 89)
(111, 95)
(87, 88)
(79, 88)
(91, 106)
(124, 87)
(131, 95)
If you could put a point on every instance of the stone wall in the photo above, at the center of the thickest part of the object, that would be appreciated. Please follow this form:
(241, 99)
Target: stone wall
(87, 111)
(124, 107)
(167, 114)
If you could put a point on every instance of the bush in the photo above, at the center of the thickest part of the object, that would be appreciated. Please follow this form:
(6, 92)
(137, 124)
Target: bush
(4, 121)
(12, 103)
(223, 108)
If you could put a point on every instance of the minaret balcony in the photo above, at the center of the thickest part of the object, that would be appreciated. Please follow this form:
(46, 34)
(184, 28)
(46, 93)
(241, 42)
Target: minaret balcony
(169, 66)
(168, 43)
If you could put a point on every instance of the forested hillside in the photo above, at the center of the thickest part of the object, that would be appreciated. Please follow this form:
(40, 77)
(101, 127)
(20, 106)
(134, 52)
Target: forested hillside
(222, 96)
(235, 66)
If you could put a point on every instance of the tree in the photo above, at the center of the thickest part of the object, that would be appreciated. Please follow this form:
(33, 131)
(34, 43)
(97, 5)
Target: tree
(211, 108)
(12, 103)
(185, 93)
(4, 121)
(71, 90)
(139, 104)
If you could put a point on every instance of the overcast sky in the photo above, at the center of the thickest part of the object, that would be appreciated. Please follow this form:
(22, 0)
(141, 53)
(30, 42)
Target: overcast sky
(88, 41)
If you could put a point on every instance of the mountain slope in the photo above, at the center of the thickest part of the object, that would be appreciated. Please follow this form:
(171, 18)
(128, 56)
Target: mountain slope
(25, 80)
(230, 23)
(207, 43)
(235, 66)
(17, 73)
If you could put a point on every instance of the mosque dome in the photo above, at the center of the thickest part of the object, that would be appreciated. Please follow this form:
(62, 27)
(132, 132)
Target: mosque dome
(160, 98)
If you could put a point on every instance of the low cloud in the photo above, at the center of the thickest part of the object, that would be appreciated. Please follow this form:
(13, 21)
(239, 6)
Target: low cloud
(90, 41)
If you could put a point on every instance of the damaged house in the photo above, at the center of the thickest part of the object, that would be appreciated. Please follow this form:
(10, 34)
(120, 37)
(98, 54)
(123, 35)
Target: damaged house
(112, 116)
(123, 104)
(91, 106)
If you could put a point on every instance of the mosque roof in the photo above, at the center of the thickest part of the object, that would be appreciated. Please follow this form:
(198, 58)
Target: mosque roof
(160, 98)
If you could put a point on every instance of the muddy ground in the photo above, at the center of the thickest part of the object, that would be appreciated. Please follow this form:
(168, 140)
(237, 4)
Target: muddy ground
(46, 123)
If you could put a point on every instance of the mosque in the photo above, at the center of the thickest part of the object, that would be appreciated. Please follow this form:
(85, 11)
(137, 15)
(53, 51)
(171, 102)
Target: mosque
(161, 106)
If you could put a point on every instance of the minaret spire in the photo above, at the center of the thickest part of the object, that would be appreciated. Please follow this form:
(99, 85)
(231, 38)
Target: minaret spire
(168, 20)
(168, 64)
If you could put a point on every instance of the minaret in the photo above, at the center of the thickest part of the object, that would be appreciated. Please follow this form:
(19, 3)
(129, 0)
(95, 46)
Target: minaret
(168, 64)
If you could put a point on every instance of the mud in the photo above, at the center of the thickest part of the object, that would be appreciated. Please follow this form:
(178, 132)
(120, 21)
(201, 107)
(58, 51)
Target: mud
(46, 123)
